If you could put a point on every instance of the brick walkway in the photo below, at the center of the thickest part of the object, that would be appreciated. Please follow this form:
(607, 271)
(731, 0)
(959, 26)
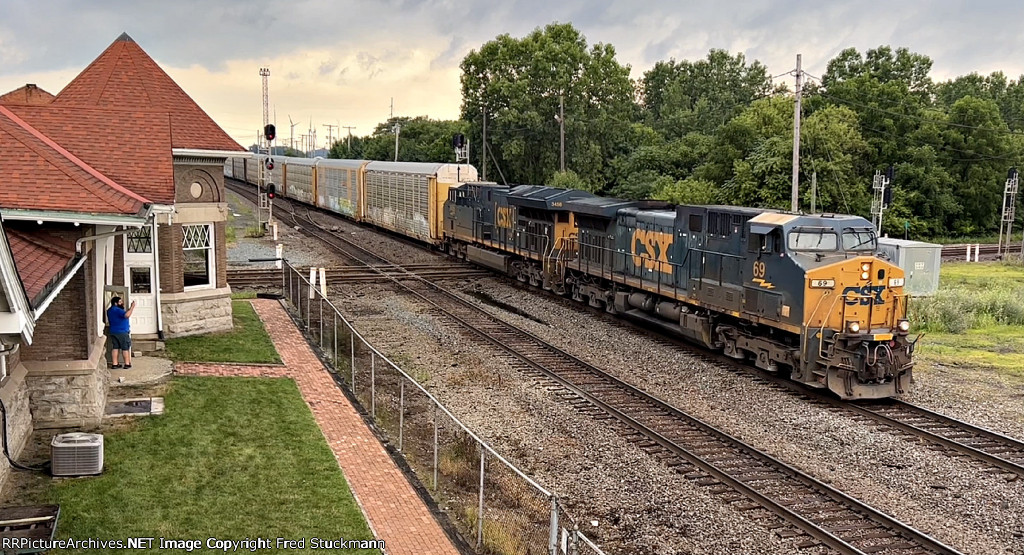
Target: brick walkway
(395, 511)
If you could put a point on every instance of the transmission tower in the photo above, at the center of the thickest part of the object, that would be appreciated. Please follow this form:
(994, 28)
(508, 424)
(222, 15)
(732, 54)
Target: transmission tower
(1009, 210)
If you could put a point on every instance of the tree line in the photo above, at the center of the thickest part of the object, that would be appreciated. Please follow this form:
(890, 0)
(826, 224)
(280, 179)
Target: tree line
(719, 130)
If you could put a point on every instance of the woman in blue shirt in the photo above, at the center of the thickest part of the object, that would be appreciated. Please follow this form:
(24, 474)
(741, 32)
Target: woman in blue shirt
(120, 331)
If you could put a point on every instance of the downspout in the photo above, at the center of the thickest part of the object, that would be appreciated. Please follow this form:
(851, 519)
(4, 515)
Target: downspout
(80, 240)
(156, 268)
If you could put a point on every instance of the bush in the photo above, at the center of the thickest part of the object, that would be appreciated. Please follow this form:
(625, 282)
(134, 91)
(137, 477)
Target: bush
(959, 308)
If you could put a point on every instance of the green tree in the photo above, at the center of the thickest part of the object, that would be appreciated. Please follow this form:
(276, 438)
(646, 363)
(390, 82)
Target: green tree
(701, 96)
(518, 84)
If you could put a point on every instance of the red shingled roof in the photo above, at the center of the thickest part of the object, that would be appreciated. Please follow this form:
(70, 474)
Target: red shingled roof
(124, 77)
(40, 174)
(133, 148)
(40, 257)
(29, 95)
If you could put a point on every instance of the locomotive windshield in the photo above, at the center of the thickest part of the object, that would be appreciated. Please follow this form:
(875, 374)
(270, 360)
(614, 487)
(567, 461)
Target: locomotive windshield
(813, 239)
(859, 239)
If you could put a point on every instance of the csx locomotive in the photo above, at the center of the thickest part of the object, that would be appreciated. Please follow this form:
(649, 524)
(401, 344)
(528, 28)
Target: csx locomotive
(803, 295)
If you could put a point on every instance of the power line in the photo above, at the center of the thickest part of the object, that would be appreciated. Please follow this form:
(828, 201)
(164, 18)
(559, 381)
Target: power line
(920, 118)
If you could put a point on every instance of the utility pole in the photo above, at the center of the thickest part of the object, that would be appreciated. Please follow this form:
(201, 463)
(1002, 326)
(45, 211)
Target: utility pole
(483, 151)
(1009, 209)
(330, 134)
(795, 205)
(561, 133)
(350, 128)
(814, 193)
(398, 130)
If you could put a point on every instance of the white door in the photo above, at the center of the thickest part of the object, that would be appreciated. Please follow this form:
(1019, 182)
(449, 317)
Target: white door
(140, 278)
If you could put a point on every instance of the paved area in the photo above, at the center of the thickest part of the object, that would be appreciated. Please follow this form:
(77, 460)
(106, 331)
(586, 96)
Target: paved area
(395, 511)
(144, 370)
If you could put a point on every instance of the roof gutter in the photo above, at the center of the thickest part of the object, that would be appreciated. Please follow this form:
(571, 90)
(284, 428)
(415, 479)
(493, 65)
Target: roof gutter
(211, 153)
(75, 218)
(60, 287)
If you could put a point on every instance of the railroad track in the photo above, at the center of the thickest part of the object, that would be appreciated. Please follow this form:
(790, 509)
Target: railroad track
(256, 277)
(987, 250)
(747, 478)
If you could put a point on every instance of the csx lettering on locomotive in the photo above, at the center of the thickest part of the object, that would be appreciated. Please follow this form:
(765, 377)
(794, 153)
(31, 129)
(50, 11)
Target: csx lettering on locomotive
(506, 217)
(864, 295)
(650, 248)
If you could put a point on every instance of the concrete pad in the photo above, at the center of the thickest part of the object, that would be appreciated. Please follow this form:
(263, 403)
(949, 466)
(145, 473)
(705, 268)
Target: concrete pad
(144, 370)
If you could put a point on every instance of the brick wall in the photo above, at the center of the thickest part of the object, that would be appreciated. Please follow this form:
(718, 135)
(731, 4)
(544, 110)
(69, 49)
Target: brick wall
(221, 253)
(117, 276)
(209, 177)
(63, 331)
(171, 263)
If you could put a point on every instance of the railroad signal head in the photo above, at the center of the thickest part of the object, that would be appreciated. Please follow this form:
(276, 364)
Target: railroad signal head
(271, 191)
(458, 140)
(270, 163)
(269, 131)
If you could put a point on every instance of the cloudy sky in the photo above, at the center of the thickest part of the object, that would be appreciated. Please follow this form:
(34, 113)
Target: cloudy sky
(340, 62)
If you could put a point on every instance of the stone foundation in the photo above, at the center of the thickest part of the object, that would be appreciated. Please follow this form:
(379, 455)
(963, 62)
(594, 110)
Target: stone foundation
(68, 400)
(196, 312)
(68, 393)
(15, 396)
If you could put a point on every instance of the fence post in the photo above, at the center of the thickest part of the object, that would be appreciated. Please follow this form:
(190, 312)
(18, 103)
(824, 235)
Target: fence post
(435, 446)
(321, 322)
(574, 540)
(352, 365)
(373, 386)
(335, 351)
(480, 509)
(401, 409)
(309, 307)
(553, 532)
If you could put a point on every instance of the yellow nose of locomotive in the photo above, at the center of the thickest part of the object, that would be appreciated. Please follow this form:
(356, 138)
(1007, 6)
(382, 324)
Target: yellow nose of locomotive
(862, 296)
(856, 311)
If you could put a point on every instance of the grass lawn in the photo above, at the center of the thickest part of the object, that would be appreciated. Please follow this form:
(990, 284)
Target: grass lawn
(231, 458)
(248, 342)
(976, 318)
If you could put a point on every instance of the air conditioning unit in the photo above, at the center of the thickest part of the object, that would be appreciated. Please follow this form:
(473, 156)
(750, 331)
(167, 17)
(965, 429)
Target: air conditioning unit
(76, 454)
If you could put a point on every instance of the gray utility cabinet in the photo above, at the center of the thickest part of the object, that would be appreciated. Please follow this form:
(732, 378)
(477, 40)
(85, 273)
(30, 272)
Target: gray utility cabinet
(920, 261)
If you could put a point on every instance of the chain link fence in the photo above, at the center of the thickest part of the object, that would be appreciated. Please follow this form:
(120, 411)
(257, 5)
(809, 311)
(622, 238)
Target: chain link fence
(496, 507)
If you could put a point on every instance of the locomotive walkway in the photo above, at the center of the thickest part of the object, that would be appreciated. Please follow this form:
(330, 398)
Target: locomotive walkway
(395, 512)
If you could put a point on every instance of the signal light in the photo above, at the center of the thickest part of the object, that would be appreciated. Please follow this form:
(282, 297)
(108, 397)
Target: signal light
(271, 191)
(270, 163)
(269, 132)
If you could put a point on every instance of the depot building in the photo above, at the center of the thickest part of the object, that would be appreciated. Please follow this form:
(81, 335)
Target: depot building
(113, 186)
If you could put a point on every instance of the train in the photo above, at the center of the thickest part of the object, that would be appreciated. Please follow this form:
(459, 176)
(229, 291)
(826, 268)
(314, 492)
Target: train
(803, 295)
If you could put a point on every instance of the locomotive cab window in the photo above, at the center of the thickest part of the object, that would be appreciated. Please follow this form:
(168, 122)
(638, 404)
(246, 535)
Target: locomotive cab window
(860, 239)
(813, 239)
(765, 242)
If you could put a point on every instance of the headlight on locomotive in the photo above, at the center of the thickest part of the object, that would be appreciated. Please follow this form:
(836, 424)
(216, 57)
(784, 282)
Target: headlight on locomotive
(853, 327)
(903, 325)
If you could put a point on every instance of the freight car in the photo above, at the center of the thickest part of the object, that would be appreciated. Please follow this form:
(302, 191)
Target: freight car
(798, 294)
(404, 197)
